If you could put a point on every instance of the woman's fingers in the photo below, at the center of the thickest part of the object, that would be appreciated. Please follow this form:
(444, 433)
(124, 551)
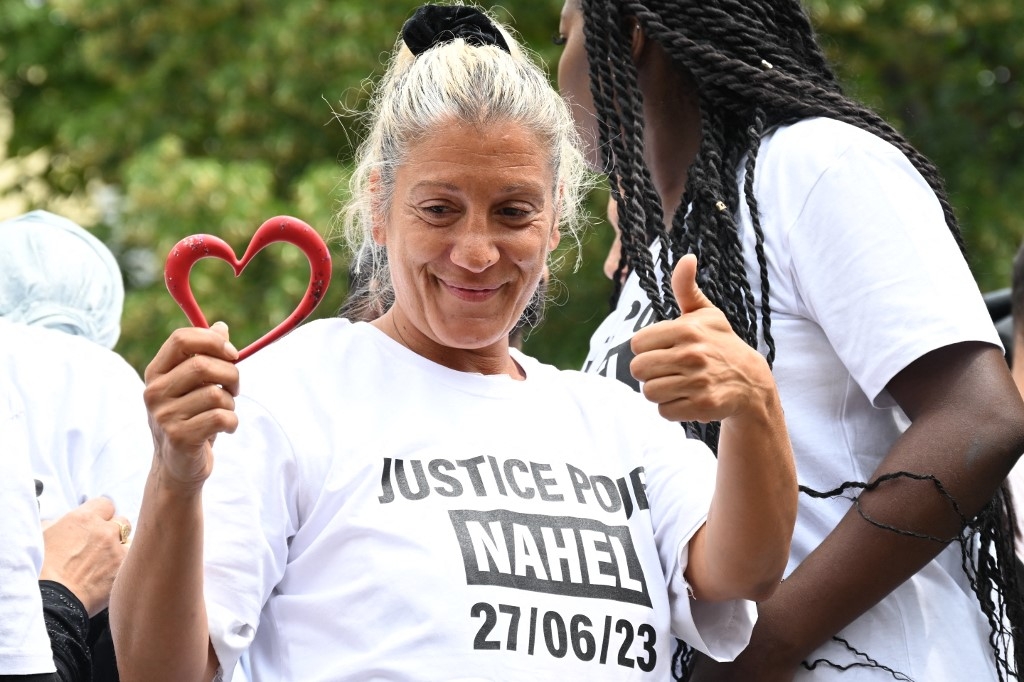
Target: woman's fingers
(187, 342)
(192, 373)
(190, 389)
(698, 369)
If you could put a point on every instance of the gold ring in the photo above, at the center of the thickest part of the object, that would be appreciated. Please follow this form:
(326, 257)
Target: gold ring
(125, 529)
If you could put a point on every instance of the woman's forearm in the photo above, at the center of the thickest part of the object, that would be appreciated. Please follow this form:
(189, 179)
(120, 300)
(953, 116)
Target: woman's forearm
(750, 524)
(967, 430)
(157, 614)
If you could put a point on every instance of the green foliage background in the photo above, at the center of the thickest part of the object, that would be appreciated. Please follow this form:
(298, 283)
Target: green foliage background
(149, 122)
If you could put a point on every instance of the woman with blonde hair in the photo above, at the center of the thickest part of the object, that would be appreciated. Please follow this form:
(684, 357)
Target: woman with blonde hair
(411, 498)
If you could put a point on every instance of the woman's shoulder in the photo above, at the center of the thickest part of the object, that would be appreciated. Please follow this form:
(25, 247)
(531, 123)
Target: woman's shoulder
(820, 140)
(304, 352)
(821, 130)
(311, 335)
(54, 353)
(820, 156)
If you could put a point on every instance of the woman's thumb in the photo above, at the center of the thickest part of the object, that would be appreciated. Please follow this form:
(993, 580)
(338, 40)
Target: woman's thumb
(684, 286)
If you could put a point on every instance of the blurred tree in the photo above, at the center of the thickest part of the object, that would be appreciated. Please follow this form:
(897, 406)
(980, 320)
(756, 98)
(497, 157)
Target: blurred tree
(950, 75)
(154, 122)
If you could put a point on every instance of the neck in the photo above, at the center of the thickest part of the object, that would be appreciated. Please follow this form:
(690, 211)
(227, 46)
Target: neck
(488, 359)
(671, 126)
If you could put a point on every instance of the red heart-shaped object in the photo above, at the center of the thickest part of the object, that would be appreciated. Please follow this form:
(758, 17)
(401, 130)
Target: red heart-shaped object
(278, 229)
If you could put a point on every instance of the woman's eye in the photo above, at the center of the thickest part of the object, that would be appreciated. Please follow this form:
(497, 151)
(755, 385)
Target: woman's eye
(558, 39)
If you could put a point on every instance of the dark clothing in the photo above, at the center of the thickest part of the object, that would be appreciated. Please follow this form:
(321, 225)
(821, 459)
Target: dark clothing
(67, 624)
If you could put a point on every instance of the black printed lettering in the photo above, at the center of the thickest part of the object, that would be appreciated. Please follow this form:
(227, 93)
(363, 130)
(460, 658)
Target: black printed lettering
(639, 488)
(593, 549)
(634, 310)
(513, 626)
(387, 493)
(533, 629)
(627, 501)
(616, 365)
(625, 628)
(490, 619)
(472, 467)
(611, 491)
(562, 553)
(579, 639)
(544, 483)
(550, 554)
(528, 559)
(416, 479)
(647, 631)
(510, 476)
(580, 482)
(454, 487)
(497, 475)
(583, 644)
(645, 318)
(554, 635)
(422, 489)
(611, 495)
(606, 639)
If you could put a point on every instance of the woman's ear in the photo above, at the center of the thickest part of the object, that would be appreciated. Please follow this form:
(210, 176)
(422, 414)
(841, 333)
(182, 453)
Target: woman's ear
(556, 233)
(379, 233)
(378, 230)
(637, 38)
(556, 236)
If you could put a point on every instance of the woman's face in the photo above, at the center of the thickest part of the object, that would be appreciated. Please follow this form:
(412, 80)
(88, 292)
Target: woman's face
(574, 78)
(468, 233)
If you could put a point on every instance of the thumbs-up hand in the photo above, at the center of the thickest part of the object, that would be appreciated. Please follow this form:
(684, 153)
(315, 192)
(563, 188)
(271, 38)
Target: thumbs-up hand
(695, 367)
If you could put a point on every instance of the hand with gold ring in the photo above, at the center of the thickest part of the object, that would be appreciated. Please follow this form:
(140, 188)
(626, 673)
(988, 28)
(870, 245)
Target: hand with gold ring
(83, 551)
(124, 529)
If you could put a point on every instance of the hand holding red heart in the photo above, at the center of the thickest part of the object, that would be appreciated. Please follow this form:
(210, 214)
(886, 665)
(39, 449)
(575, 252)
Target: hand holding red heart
(190, 389)
(192, 381)
(695, 367)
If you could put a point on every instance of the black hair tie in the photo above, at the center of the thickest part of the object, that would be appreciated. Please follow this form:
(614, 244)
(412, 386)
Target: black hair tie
(434, 25)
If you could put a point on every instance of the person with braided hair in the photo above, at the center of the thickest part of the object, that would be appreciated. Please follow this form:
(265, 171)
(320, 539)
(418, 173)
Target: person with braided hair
(410, 497)
(829, 243)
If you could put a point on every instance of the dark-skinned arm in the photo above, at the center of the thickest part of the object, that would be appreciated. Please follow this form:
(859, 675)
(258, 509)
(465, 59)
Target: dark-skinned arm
(967, 430)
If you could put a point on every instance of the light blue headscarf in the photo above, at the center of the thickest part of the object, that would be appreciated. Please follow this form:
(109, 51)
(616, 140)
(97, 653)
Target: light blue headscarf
(54, 273)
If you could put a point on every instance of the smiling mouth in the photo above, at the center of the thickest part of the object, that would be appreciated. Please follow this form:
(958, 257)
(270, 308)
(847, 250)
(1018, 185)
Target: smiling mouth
(471, 294)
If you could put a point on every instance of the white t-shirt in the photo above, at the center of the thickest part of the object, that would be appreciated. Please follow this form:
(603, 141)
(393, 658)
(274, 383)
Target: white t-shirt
(24, 644)
(865, 278)
(379, 516)
(1015, 481)
(87, 425)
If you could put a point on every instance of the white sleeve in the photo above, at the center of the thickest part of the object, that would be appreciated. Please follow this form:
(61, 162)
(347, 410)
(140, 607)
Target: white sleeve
(680, 482)
(250, 514)
(24, 644)
(878, 269)
(121, 462)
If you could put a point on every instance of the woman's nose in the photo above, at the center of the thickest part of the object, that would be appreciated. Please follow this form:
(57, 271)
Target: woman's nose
(474, 248)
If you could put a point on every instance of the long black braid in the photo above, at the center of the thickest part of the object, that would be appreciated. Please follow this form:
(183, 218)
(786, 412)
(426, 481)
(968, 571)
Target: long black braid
(756, 65)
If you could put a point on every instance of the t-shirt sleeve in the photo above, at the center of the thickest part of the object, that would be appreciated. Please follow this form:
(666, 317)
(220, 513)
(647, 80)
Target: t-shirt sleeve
(878, 269)
(24, 645)
(250, 515)
(122, 461)
(680, 482)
